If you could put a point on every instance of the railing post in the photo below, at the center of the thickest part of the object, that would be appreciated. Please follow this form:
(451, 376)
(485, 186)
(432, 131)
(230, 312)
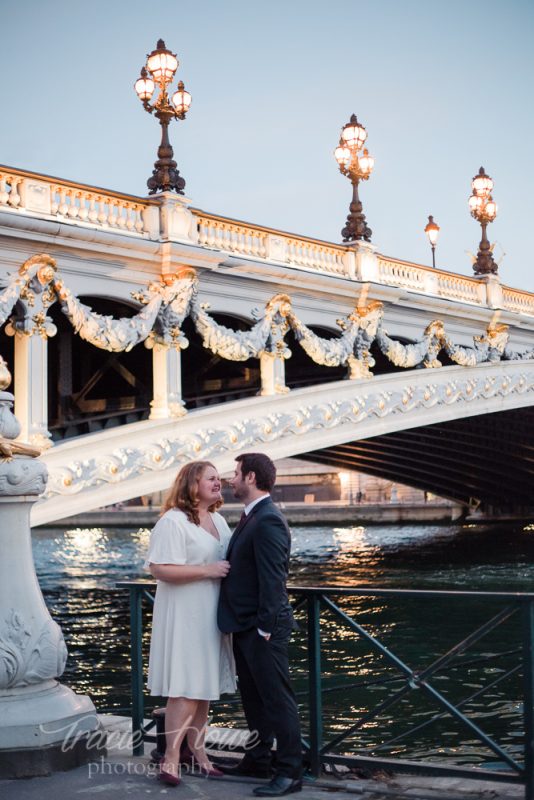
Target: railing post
(528, 707)
(314, 672)
(136, 642)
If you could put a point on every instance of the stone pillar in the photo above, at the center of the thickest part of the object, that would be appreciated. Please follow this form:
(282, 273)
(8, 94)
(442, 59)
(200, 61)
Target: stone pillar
(365, 263)
(167, 374)
(31, 388)
(273, 374)
(493, 290)
(177, 222)
(44, 726)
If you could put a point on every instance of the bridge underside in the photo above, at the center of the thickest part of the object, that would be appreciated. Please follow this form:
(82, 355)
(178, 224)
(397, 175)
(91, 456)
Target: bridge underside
(487, 459)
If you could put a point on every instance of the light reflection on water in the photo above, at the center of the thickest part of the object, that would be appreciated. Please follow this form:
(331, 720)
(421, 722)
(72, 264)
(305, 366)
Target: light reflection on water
(78, 569)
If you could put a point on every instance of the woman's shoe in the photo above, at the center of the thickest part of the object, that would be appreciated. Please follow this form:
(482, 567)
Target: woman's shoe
(211, 772)
(194, 763)
(168, 778)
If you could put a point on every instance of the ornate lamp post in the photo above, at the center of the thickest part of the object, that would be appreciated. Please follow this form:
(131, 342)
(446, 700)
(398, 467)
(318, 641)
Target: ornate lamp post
(432, 231)
(484, 210)
(357, 168)
(160, 68)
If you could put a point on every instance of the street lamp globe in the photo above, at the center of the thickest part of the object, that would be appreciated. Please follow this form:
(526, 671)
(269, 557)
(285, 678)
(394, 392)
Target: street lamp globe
(491, 209)
(482, 184)
(432, 231)
(475, 204)
(366, 163)
(354, 134)
(181, 100)
(144, 86)
(342, 155)
(162, 63)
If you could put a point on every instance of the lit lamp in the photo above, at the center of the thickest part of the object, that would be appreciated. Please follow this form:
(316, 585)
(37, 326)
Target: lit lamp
(357, 168)
(160, 67)
(484, 209)
(432, 231)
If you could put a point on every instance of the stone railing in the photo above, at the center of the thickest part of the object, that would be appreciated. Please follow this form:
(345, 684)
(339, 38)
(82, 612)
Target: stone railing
(516, 300)
(255, 241)
(71, 202)
(230, 236)
(418, 278)
(168, 217)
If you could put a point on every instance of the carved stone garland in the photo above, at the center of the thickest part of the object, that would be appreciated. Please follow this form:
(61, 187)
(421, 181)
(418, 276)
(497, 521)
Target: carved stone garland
(165, 306)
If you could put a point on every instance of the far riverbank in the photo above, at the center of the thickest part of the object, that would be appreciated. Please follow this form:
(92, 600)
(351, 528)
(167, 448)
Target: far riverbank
(333, 513)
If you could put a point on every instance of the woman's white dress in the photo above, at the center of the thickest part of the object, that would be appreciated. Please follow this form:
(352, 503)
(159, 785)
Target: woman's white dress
(189, 656)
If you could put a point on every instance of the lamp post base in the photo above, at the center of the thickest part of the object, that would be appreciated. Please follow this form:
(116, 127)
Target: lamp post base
(165, 176)
(356, 228)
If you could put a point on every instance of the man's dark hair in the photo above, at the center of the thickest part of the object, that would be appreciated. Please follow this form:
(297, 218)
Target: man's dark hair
(263, 468)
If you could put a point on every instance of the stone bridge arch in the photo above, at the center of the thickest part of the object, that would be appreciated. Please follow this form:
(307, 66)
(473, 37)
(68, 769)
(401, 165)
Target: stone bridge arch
(143, 457)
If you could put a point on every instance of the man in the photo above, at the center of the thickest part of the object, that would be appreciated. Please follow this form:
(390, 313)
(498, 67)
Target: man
(254, 606)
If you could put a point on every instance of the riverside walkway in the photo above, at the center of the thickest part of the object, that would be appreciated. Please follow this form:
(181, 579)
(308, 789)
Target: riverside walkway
(121, 775)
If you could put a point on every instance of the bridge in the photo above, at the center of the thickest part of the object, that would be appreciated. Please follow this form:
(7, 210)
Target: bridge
(142, 333)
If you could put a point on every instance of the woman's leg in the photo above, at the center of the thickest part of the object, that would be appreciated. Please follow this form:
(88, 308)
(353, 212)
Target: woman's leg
(196, 736)
(179, 713)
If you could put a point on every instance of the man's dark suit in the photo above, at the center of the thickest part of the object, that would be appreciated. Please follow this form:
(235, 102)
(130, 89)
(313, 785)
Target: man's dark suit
(254, 595)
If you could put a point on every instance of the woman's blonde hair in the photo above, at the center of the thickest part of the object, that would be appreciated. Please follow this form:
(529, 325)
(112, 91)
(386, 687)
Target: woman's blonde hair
(184, 491)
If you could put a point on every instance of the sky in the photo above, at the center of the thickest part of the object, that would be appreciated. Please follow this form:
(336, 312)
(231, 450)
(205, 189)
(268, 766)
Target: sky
(442, 88)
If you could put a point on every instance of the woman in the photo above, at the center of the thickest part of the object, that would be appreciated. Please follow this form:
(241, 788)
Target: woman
(191, 662)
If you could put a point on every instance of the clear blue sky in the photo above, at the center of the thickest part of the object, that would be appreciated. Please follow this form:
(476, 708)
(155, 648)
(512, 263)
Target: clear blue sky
(442, 87)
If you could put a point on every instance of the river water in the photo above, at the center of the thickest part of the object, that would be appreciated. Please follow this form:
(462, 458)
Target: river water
(78, 569)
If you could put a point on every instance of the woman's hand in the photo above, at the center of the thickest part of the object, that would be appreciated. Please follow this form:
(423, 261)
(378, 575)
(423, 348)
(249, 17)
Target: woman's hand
(219, 569)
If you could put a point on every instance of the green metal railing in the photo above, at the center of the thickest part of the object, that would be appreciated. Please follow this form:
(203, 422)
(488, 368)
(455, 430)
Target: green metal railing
(314, 602)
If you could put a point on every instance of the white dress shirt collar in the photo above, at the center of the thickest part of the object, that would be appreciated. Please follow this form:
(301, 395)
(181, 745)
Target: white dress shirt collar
(255, 502)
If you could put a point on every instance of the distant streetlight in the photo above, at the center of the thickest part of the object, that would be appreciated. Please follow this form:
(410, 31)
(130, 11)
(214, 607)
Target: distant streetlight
(160, 68)
(484, 210)
(432, 231)
(357, 168)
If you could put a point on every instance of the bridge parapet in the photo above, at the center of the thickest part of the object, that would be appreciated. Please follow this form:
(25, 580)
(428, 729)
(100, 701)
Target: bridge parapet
(169, 218)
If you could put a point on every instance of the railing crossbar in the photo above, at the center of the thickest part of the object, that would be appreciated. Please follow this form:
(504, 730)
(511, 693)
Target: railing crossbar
(462, 646)
(436, 717)
(374, 712)
(418, 679)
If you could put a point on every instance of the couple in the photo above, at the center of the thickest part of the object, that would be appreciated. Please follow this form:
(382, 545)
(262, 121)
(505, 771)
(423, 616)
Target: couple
(211, 584)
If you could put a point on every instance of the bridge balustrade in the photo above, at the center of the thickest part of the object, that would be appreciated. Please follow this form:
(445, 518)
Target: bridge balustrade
(36, 195)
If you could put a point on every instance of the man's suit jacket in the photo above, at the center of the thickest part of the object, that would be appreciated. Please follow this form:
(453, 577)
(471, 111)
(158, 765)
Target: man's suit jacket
(254, 592)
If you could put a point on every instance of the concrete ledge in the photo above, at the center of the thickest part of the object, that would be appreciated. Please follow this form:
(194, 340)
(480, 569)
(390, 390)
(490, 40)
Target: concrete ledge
(35, 762)
(296, 513)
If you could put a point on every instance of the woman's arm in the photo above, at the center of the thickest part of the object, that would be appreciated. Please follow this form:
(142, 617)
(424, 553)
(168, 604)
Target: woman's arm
(184, 573)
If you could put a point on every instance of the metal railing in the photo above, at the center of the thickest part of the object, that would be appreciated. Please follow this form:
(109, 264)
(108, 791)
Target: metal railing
(317, 603)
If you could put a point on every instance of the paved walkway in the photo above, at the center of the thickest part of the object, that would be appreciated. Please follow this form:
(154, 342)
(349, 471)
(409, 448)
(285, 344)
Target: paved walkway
(120, 775)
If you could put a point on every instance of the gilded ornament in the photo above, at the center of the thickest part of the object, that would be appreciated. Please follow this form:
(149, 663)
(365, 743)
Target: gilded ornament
(5, 375)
